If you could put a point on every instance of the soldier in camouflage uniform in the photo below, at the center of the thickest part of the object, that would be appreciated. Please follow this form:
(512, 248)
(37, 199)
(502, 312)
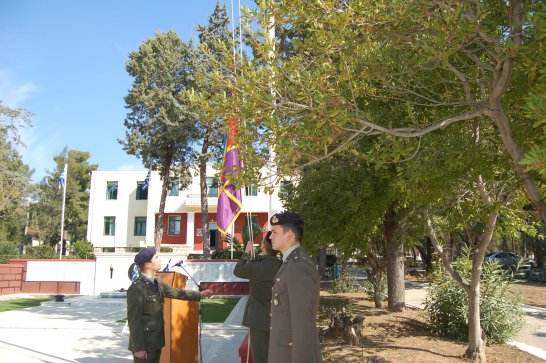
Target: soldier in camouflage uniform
(145, 307)
(260, 271)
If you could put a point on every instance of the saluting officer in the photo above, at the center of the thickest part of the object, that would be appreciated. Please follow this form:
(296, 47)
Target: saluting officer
(294, 335)
(145, 307)
(261, 273)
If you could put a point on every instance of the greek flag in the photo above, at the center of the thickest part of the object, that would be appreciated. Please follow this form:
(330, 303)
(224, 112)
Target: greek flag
(62, 178)
(147, 180)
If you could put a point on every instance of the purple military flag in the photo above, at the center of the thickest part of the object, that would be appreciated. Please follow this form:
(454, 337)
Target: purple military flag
(229, 198)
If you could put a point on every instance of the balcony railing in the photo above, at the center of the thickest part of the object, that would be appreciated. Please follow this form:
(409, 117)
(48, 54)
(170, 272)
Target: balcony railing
(193, 200)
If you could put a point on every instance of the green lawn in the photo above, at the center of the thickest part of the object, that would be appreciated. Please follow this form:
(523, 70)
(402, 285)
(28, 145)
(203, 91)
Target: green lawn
(217, 310)
(14, 304)
(213, 310)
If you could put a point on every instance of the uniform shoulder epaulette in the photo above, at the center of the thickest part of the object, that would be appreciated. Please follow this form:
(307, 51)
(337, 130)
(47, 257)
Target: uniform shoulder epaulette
(301, 257)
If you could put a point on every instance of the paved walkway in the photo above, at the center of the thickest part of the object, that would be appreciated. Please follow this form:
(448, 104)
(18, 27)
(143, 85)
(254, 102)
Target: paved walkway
(92, 330)
(88, 329)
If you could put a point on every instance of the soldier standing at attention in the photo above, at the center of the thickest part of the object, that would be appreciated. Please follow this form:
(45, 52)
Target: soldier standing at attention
(261, 273)
(294, 335)
(145, 307)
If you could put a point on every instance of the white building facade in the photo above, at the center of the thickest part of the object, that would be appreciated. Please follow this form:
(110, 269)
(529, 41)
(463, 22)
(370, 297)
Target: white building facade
(123, 214)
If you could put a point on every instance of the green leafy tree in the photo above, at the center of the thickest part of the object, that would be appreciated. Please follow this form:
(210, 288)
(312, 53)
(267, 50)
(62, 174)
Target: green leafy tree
(446, 63)
(335, 198)
(404, 70)
(160, 125)
(83, 249)
(447, 303)
(45, 210)
(214, 39)
(8, 250)
(535, 99)
(15, 176)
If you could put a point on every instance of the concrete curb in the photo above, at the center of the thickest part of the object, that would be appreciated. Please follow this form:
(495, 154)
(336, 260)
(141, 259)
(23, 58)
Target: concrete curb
(537, 352)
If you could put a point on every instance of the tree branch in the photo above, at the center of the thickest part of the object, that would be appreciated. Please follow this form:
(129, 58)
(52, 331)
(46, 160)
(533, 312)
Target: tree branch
(443, 256)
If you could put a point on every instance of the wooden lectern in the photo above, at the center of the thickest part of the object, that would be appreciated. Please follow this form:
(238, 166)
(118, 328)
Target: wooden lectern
(181, 323)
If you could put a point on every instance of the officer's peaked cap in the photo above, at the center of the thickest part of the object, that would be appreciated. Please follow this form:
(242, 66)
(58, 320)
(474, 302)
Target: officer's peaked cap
(286, 218)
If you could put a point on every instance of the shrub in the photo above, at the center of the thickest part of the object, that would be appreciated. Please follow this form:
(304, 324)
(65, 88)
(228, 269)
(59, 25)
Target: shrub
(165, 249)
(226, 254)
(346, 283)
(447, 303)
(43, 251)
(8, 250)
(83, 249)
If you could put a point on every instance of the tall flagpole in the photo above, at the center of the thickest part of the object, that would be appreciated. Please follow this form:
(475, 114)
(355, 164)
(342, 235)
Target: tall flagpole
(62, 182)
(270, 36)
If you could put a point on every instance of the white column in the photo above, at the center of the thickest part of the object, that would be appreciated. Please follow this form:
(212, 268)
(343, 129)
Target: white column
(190, 229)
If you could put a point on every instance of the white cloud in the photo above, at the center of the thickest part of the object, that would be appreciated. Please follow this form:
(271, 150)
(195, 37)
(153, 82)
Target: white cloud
(39, 150)
(11, 93)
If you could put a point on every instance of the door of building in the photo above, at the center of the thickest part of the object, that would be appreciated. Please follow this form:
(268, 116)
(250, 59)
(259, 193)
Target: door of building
(213, 229)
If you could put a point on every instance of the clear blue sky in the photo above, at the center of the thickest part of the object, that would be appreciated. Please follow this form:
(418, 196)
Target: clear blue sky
(64, 61)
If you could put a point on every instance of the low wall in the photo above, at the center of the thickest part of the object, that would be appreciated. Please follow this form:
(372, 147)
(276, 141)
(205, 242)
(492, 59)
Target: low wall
(227, 288)
(51, 287)
(70, 275)
(11, 279)
(109, 273)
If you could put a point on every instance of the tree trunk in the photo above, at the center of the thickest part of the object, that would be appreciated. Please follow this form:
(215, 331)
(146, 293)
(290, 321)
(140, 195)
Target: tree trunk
(516, 154)
(476, 342)
(476, 345)
(395, 261)
(426, 250)
(376, 275)
(166, 173)
(322, 262)
(204, 199)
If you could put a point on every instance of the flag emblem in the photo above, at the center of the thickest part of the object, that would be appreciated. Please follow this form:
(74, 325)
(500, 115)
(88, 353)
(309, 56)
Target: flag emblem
(147, 181)
(62, 178)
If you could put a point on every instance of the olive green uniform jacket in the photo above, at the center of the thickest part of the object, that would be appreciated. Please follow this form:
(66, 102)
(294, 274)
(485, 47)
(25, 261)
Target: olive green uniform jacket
(145, 312)
(294, 335)
(261, 273)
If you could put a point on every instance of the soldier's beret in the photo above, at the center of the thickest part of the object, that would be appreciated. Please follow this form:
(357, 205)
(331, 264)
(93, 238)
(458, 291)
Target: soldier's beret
(286, 218)
(267, 238)
(145, 255)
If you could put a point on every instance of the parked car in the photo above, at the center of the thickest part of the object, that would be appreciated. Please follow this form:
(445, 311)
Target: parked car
(507, 260)
(510, 260)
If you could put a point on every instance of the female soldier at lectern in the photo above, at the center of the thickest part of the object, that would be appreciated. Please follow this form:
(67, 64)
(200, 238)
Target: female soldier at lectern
(145, 307)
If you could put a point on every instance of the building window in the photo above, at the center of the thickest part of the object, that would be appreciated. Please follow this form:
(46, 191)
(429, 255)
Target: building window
(109, 226)
(174, 225)
(140, 226)
(212, 187)
(174, 188)
(112, 190)
(251, 190)
(141, 194)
